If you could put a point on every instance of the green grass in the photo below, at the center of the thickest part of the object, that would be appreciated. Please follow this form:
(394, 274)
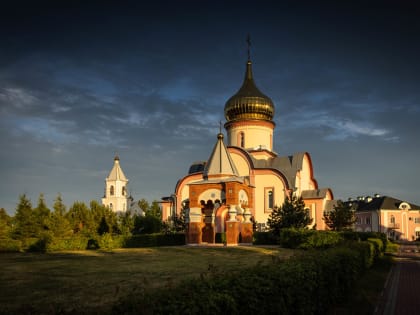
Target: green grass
(92, 281)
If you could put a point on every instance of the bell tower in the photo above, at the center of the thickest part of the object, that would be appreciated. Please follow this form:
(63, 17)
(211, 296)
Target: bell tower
(116, 194)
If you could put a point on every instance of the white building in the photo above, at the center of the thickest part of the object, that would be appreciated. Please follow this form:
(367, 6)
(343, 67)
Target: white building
(116, 195)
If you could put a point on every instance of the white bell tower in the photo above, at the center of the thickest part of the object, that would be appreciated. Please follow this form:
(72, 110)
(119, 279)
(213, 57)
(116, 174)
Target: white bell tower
(116, 193)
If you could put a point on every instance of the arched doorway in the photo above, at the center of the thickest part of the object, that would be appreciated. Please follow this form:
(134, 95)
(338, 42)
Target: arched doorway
(208, 232)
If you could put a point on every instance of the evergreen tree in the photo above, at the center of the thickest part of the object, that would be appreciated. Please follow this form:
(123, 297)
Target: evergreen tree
(24, 220)
(155, 210)
(79, 218)
(180, 221)
(125, 222)
(5, 224)
(340, 218)
(104, 219)
(59, 206)
(147, 224)
(41, 215)
(143, 205)
(292, 214)
(103, 227)
(59, 224)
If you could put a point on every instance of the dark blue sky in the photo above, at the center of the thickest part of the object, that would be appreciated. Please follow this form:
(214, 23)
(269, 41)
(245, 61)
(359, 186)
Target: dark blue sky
(82, 82)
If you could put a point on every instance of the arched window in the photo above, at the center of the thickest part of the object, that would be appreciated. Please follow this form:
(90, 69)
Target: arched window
(392, 219)
(110, 206)
(111, 190)
(270, 199)
(308, 211)
(123, 191)
(242, 140)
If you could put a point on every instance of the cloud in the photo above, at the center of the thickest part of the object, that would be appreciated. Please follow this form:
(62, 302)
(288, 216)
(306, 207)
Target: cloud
(348, 129)
(17, 97)
(335, 128)
(46, 130)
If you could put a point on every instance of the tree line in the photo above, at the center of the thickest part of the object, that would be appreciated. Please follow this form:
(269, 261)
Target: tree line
(80, 219)
(293, 214)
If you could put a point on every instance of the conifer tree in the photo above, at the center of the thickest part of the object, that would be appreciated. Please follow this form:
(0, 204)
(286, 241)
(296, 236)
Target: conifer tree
(104, 219)
(41, 215)
(79, 217)
(125, 223)
(292, 214)
(59, 224)
(24, 220)
(143, 205)
(5, 224)
(341, 217)
(155, 210)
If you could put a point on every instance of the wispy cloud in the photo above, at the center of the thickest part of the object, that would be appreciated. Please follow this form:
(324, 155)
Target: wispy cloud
(336, 128)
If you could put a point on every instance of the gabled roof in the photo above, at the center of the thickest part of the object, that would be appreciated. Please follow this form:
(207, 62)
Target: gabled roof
(314, 193)
(116, 172)
(220, 162)
(380, 203)
(287, 165)
(329, 205)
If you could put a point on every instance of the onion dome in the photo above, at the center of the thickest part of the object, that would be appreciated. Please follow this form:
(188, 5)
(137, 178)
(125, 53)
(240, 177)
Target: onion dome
(249, 102)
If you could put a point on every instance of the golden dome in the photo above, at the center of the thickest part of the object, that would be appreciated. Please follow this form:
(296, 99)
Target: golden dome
(249, 102)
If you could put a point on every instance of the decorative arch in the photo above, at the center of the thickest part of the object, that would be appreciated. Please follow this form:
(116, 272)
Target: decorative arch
(212, 194)
(243, 197)
(221, 217)
(404, 206)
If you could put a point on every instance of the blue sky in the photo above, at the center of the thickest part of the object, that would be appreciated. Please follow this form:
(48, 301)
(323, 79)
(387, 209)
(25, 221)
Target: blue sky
(81, 82)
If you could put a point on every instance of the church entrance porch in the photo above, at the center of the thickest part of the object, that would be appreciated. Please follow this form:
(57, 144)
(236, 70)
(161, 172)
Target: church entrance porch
(220, 224)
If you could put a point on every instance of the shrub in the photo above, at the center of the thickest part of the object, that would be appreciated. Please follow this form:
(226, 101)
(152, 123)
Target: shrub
(378, 245)
(308, 284)
(392, 247)
(292, 238)
(150, 240)
(92, 244)
(264, 238)
(9, 245)
(320, 239)
(366, 251)
(220, 238)
(309, 239)
(363, 236)
(109, 241)
(147, 225)
(75, 242)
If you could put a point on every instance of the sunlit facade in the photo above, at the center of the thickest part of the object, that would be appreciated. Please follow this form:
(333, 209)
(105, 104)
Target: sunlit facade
(244, 179)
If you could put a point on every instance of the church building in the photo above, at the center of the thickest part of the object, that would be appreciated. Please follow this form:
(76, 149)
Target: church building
(244, 179)
(116, 196)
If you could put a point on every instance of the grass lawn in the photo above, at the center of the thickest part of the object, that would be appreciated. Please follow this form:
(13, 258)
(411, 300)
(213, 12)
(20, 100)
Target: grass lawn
(91, 280)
